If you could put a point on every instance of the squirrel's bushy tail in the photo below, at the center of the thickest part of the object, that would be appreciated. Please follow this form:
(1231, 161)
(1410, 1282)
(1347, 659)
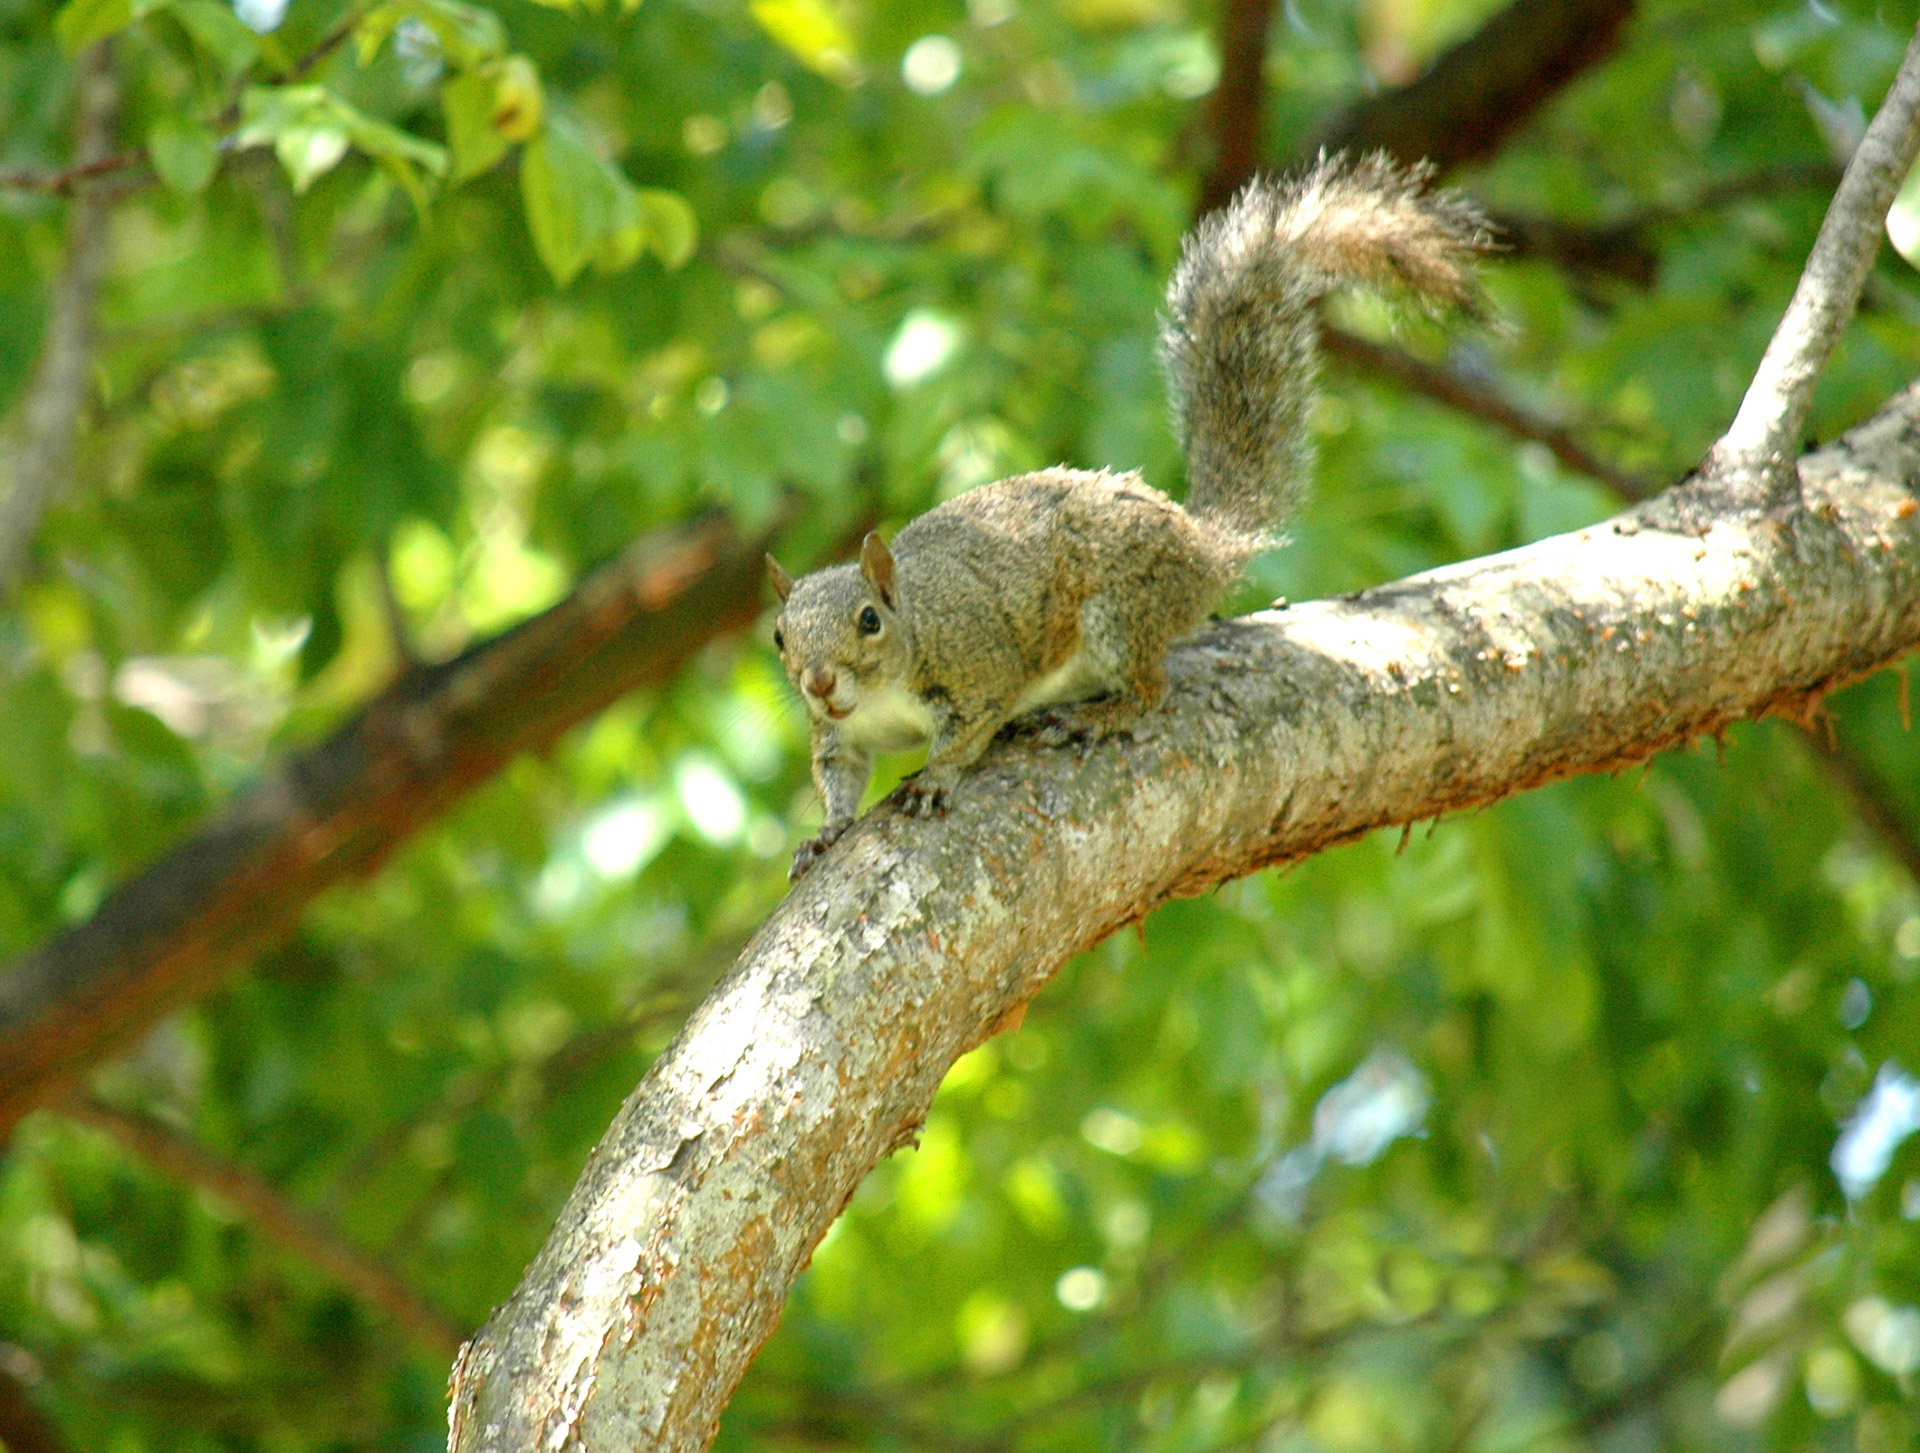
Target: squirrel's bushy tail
(1240, 334)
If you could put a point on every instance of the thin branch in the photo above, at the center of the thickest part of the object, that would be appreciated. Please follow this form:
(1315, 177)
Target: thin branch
(1765, 435)
(64, 180)
(336, 810)
(62, 380)
(1487, 87)
(1238, 108)
(275, 1217)
(1480, 402)
(1869, 794)
(23, 1427)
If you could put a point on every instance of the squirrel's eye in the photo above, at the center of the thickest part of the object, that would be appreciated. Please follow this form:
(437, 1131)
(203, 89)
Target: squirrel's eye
(779, 641)
(869, 621)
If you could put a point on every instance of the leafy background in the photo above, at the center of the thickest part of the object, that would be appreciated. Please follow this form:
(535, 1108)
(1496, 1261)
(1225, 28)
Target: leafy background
(1516, 1134)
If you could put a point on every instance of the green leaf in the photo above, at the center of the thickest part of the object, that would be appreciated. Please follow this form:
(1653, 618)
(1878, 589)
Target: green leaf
(182, 152)
(672, 228)
(626, 234)
(81, 22)
(471, 136)
(572, 202)
(468, 35)
(1903, 219)
(811, 32)
(310, 129)
(219, 32)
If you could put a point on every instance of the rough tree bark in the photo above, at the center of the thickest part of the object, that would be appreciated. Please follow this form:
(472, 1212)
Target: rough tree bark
(1752, 587)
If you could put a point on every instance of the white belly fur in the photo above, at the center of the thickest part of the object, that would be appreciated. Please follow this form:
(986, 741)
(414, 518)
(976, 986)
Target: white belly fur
(1076, 679)
(894, 720)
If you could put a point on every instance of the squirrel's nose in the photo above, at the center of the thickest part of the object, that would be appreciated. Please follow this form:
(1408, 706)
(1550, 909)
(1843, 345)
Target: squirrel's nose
(818, 680)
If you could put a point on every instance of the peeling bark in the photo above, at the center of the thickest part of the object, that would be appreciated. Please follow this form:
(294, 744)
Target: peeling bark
(1283, 734)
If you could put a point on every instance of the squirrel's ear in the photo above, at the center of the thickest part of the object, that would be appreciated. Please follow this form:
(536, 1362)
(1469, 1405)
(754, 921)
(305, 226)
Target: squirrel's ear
(782, 582)
(876, 563)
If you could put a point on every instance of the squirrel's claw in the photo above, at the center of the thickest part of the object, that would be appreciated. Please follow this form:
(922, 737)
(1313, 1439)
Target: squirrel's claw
(809, 851)
(920, 798)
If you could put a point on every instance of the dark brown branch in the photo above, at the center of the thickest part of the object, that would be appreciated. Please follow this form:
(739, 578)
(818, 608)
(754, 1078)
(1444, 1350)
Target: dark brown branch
(336, 810)
(1238, 109)
(57, 397)
(23, 1427)
(1481, 403)
(1480, 92)
(276, 1218)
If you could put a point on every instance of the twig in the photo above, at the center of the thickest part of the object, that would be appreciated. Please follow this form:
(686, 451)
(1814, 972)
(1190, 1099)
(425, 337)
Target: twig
(70, 178)
(275, 1217)
(1482, 403)
(1239, 100)
(57, 397)
(1869, 795)
(1764, 437)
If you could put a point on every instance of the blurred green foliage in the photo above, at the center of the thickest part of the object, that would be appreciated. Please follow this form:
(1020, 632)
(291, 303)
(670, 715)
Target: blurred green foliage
(1518, 1138)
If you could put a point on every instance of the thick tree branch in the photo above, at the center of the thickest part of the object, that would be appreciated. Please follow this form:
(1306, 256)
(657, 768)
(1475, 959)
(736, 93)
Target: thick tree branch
(57, 396)
(1765, 434)
(1487, 87)
(1283, 734)
(274, 1217)
(338, 809)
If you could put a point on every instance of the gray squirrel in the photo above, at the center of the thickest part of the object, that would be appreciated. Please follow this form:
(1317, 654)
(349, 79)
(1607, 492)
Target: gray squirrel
(1067, 585)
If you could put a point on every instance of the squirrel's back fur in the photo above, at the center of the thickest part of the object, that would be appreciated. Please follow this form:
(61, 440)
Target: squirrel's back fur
(1240, 335)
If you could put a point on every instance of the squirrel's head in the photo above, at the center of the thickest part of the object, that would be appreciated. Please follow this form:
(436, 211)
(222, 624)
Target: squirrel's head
(839, 633)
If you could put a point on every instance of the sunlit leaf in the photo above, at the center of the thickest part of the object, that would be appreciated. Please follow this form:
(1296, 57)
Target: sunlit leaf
(1903, 219)
(183, 152)
(571, 201)
(468, 34)
(813, 33)
(310, 130)
(219, 32)
(472, 138)
(671, 227)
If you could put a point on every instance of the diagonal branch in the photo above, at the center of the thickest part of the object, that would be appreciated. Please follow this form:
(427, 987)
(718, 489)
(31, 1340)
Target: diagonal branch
(1765, 434)
(1476, 400)
(1485, 88)
(57, 396)
(275, 1217)
(336, 810)
(1282, 734)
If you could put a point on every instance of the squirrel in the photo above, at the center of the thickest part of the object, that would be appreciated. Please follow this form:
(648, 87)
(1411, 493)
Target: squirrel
(1066, 585)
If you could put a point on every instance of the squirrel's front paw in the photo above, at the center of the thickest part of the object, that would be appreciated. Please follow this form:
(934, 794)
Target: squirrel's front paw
(920, 798)
(805, 855)
(1062, 726)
